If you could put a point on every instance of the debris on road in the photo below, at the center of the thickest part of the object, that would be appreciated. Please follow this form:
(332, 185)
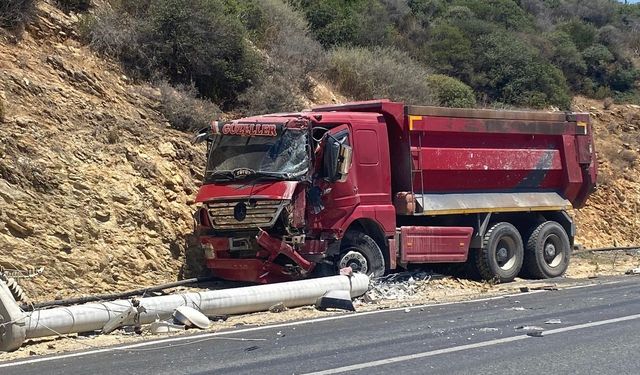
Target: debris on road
(553, 321)
(162, 327)
(398, 286)
(191, 317)
(517, 308)
(488, 329)
(280, 307)
(633, 271)
(335, 299)
(532, 331)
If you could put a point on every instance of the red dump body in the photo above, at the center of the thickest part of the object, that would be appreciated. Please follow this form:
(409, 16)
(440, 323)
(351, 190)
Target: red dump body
(438, 150)
(423, 183)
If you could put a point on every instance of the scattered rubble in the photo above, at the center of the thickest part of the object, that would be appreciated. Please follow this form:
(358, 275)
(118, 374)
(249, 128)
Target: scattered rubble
(191, 317)
(398, 286)
(532, 331)
(633, 271)
(278, 308)
(164, 327)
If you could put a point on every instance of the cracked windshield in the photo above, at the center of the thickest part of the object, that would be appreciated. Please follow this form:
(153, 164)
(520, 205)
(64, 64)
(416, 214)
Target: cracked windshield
(283, 157)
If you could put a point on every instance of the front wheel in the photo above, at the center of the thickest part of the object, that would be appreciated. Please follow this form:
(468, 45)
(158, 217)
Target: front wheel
(547, 252)
(502, 253)
(362, 254)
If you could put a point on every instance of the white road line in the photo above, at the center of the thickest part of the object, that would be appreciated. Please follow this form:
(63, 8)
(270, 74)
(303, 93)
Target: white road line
(453, 349)
(280, 325)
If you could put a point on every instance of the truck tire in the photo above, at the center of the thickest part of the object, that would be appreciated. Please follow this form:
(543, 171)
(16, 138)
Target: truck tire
(501, 256)
(362, 254)
(547, 252)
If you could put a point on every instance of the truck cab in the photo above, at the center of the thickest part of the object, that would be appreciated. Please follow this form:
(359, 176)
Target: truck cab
(379, 185)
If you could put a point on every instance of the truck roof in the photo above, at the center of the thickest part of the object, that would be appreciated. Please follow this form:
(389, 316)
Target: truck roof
(479, 113)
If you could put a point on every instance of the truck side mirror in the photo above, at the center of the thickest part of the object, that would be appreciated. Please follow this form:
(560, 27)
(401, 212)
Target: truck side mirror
(201, 136)
(336, 160)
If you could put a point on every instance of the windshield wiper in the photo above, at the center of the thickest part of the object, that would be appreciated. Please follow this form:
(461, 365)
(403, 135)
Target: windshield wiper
(267, 174)
(227, 175)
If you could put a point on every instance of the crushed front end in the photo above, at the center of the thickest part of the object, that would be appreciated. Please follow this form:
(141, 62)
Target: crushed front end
(251, 222)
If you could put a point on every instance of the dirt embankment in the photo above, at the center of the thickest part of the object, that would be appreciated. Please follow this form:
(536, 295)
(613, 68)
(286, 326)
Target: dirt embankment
(94, 185)
(611, 217)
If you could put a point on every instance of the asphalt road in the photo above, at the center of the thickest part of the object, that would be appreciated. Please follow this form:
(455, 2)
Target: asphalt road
(593, 329)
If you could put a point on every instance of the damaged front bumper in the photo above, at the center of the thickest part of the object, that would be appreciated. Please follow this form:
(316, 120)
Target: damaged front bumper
(275, 260)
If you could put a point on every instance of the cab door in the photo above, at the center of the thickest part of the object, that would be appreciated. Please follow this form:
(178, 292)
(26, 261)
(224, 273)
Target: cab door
(338, 199)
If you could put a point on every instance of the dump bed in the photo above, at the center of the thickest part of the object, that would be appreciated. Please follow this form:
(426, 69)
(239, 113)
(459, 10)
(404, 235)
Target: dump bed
(475, 160)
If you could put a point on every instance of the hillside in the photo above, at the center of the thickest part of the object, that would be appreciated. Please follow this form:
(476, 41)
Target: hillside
(611, 217)
(95, 185)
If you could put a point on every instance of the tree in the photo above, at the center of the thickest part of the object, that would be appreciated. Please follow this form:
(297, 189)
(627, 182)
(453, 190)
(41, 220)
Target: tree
(514, 73)
(448, 51)
(449, 92)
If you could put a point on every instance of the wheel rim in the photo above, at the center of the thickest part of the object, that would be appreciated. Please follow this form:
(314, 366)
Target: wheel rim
(355, 260)
(552, 251)
(505, 253)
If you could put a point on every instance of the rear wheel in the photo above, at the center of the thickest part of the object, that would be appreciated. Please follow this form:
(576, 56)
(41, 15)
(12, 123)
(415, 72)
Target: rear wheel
(502, 253)
(362, 254)
(548, 251)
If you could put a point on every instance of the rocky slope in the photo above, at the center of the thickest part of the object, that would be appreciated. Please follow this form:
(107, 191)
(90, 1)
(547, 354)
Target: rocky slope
(94, 185)
(611, 217)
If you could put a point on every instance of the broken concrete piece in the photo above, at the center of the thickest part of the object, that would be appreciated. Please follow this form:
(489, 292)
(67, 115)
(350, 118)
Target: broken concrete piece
(532, 331)
(553, 321)
(159, 327)
(278, 308)
(535, 333)
(191, 317)
(335, 299)
(488, 329)
(633, 271)
(119, 320)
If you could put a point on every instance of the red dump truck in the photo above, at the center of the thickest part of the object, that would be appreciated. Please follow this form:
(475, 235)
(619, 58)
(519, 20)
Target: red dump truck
(380, 185)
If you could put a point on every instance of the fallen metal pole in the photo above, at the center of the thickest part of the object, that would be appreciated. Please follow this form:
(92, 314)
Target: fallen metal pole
(94, 316)
(112, 296)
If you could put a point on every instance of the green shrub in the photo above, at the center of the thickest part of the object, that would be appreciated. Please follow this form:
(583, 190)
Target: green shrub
(14, 14)
(582, 34)
(449, 51)
(74, 5)
(598, 59)
(183, 40)
(284, 34)
(449, 92)
(379, 72)
(566, 56)
(505, 13)
(184, 110)
(512, 72)
(271, 93)
(356, 22)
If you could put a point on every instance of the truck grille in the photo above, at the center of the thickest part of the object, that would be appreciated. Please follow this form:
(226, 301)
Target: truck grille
(263, 214)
